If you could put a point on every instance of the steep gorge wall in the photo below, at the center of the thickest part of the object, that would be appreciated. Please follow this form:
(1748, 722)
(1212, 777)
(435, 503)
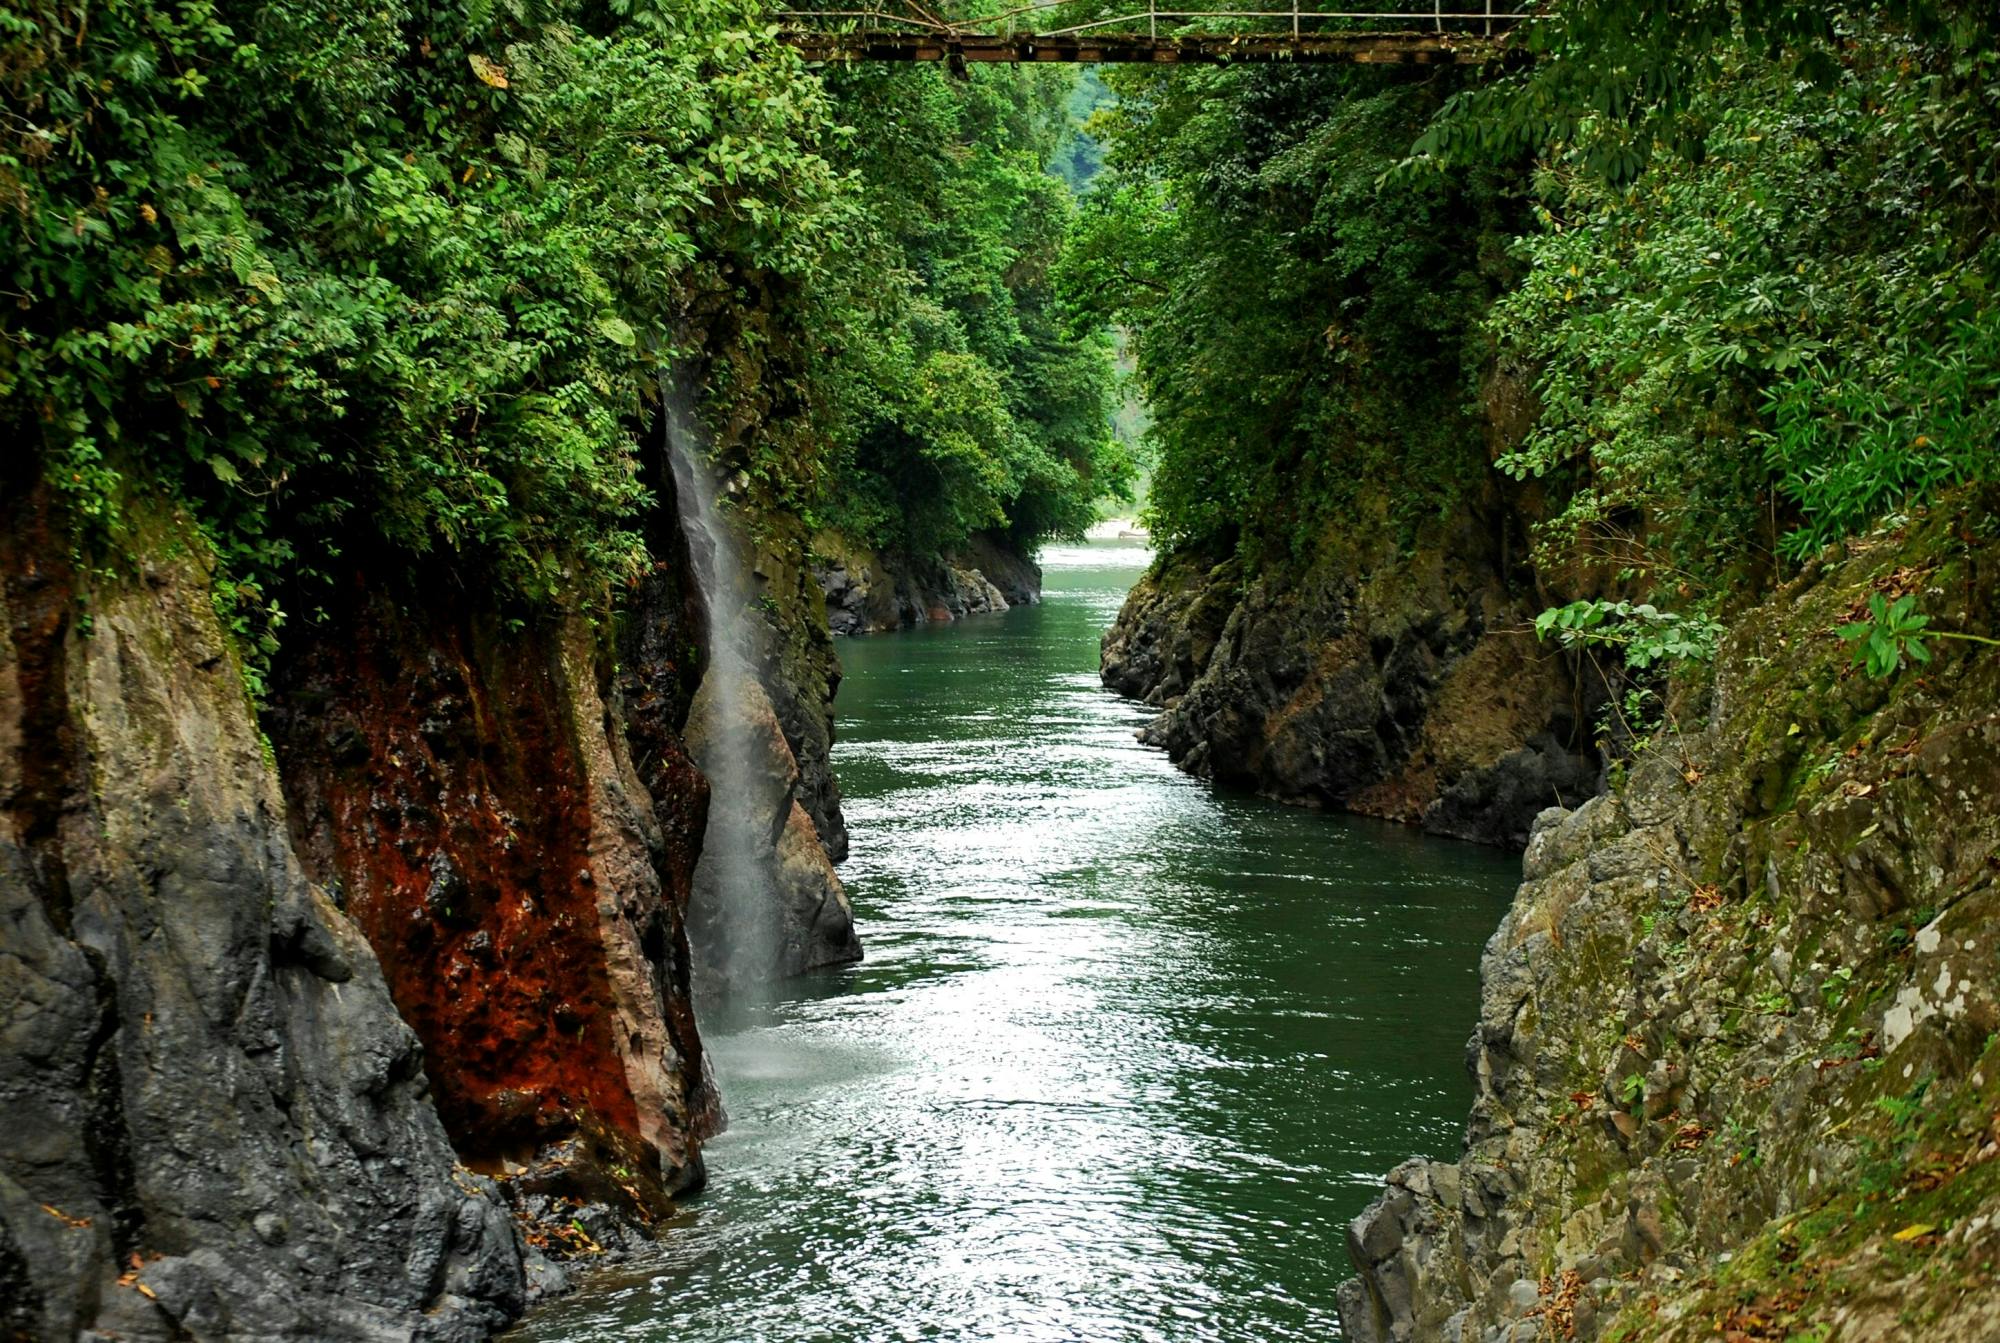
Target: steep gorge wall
(1401, 681)
(1737, 1071)
(788, 913)
(296, 1027)
(466, 783)
(801, 671)
(217, 1126)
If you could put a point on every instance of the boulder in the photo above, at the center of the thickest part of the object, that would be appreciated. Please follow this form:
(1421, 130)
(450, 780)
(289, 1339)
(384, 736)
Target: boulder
(767, 903)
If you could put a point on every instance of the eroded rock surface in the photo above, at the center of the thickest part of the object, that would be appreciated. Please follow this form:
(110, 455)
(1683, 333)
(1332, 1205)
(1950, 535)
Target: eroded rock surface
(800, 672)
(1401, 684)
(216, 1125)
(767, 903)
(1736, 1063)
(867, 593)
(465, 782)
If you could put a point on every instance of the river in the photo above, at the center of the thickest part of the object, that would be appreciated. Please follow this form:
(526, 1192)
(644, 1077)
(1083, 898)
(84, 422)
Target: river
(1125, 1055)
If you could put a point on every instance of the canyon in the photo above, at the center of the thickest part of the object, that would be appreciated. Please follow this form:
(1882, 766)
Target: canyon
(571, 763)
(423, 958)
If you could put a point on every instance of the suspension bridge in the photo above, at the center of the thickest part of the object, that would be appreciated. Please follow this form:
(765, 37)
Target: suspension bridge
(1402, 31)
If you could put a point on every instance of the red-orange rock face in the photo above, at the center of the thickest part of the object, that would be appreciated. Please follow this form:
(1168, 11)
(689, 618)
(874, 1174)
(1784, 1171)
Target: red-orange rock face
(215, 1121)
(468, 791)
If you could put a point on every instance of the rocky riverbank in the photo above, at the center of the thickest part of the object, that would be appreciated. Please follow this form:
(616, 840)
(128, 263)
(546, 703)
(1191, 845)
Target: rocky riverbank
(354, 1029)
(1736, 1064)
(868, 591)
(1401, 681)
(219, 1125)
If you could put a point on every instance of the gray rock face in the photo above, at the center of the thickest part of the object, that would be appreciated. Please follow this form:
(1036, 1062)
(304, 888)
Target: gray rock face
(216, 1124)
(801, 674)
(867, 593)
(1736, 1049)
(1017, 578)
(767, 903)
(1402, 686)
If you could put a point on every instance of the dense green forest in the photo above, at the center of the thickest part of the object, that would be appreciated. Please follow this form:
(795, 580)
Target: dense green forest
(1301, 327)
(1741, 257)
(967, 402)
(410, 277)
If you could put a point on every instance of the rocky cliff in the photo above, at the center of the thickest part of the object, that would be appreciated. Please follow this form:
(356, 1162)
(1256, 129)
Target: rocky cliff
(298, 1026)
(783, 911)
(1395, 679)
(801, 674)
(867, 591)
(465, 783)
(217, 1125)
(767, 903)
(1737, 1072)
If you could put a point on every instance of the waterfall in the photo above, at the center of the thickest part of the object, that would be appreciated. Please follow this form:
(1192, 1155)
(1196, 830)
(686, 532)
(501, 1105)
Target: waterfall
(733, 918)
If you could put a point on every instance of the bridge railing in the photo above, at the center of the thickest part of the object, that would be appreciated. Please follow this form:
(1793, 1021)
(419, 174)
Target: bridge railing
(1068, 18)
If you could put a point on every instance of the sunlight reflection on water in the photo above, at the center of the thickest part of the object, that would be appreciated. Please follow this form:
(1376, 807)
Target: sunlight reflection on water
(1124, 1058)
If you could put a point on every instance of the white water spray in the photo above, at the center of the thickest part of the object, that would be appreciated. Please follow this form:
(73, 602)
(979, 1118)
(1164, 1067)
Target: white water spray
(733, 918)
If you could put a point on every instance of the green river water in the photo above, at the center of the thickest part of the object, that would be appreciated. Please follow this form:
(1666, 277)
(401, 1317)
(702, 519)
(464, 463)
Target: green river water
(1125, 1056)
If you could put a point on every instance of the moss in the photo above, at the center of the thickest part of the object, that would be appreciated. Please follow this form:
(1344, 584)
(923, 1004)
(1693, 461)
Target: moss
(1817, 824)
(1926, 1178)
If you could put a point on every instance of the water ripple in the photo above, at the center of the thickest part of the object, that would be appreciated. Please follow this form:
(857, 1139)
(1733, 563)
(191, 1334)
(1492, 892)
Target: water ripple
(1124, 1059)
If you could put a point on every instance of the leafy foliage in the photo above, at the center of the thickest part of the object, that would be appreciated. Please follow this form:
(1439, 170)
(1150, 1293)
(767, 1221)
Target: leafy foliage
(399, 275)
(1894, 631)
(1753, 293)
(1300, 329)
(1770, 349)
(966, 406)
(1612, 83)
(405, 279)
(1644, 634)
(1079, 156)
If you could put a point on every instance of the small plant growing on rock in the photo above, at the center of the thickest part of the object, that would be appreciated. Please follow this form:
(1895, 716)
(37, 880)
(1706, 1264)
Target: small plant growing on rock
(1646, 634)
(1640, 710)
(1833, 989)
(1743, 1140)
(1894, 631)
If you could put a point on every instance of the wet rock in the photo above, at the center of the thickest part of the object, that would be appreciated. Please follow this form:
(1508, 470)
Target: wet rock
(1169, 627)
(522, 886)
(818, 927)
(201, 1068)
(1707, 994)
(867, 592)
(766, 769)
(1016, 578)
(801, 676)
(1398, 684)
(766, 902)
